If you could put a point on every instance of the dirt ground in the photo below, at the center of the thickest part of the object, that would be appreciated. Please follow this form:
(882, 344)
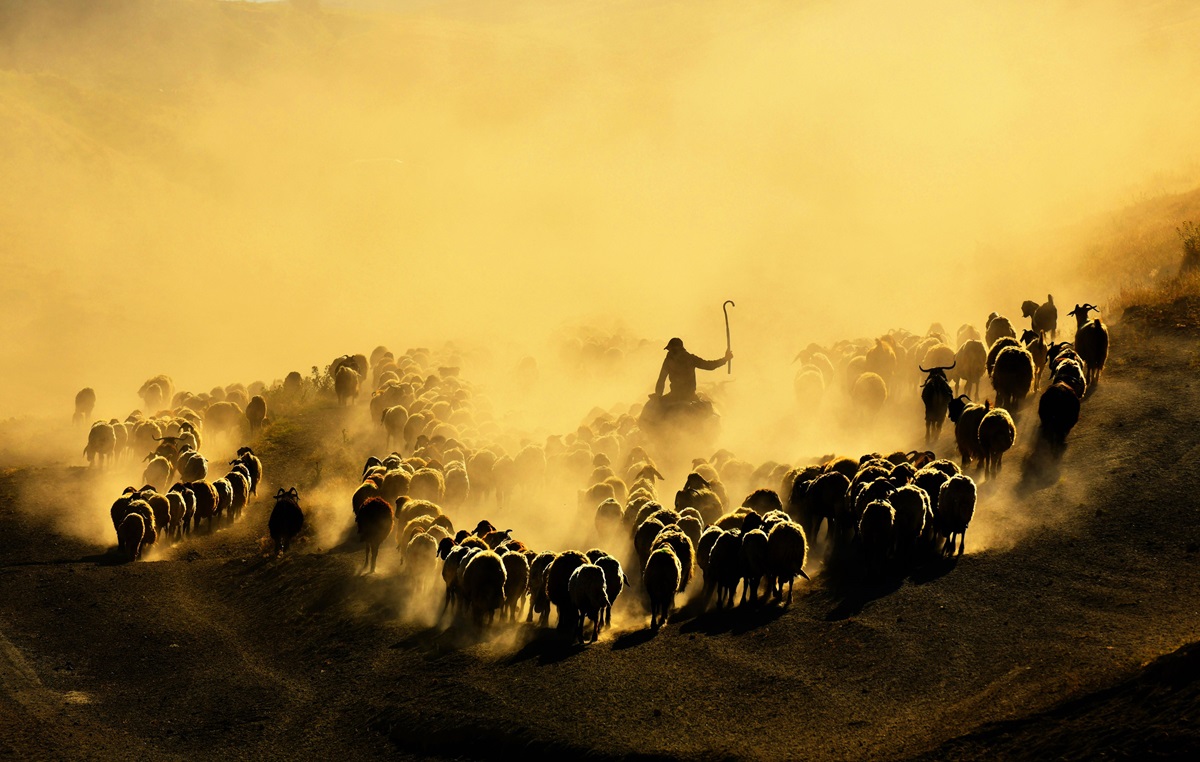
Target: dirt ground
(1068, 637)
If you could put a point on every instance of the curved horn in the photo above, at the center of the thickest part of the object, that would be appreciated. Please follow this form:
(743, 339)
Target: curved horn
(280, 493)
(948, 367)
(925, 371)
(961, 397)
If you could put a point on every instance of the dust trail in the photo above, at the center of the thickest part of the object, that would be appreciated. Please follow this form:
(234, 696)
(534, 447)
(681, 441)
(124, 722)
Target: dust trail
(196, 176)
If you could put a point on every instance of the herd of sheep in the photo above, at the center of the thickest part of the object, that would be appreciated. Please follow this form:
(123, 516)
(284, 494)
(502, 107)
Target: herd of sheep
(451, 456)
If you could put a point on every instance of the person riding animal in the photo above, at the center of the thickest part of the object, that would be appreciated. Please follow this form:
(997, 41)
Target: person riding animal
(680, 367)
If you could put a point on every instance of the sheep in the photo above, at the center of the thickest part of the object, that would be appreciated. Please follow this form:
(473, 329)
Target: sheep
(1012, 377)
(160, 507)
(608, 519)
(614, 582)
(458, 484)
(998, 327)
(876, 530)
(256, 412)
(130, 533)
(207, 502)
(930, 481)
(157, 392)
(394, 419)
(496, 537)
(681, 544)
(966, 416)
(937, 355)
(1043, 318)
(997, 432)
(823, 498)
(698, 494)
(287, 519)
(101, 444)
(968, 332)
(1058, 410)
(754, 563)
(1061, 352)
(406, 530)
(427, 484)
(644, 537)
(691, 526)
(345, 384)
(420, 560)
(237, 394)
(368, 489)
(452, 557)
(956, 507)
(177, 509)
(1091, 341)
(995, 350)
(763, 501)
(725, 565)
(539, 603)
(239, 486)
(139, 506)
(881, 358)
(971, 363)
(375, 519)
(85, 402)
(787, 553)
(222, 418)
(158, 471)
(189, 505)
(253, 466)
(1070, 373)
(1036, 347)
(911, 513)
(589, 597)
(482, 584)
(516, 583)
(660, 580)
(558, 579)
(193, 467)
(869, 393)
(936, 395)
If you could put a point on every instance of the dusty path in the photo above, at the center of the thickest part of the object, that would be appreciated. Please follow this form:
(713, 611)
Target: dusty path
(221, 653)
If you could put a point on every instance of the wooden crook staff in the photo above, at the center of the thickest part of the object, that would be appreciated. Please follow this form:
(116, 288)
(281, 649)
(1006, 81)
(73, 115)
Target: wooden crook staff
(728, 346)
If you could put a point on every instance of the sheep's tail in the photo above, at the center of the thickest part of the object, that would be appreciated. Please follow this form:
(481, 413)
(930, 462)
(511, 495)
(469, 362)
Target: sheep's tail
(85, 449)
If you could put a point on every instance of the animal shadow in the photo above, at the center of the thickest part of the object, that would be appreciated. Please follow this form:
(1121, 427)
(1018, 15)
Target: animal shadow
(735, 620)
(548, 647)
(1041, 468)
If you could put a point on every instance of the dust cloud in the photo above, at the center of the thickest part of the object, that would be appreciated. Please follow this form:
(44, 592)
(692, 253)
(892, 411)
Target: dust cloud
(228, 191)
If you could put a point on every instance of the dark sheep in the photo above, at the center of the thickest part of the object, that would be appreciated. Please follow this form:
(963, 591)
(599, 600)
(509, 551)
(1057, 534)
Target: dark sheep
(375, 520)
(287, 519)
(130, 535)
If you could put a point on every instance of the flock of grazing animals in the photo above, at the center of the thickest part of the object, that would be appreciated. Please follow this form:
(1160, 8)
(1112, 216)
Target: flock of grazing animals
(171, 440)
(875, 514)
(890, 366)
(142, 516)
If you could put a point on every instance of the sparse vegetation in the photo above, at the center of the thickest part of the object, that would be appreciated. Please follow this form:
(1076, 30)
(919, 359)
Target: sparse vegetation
(1189, 233)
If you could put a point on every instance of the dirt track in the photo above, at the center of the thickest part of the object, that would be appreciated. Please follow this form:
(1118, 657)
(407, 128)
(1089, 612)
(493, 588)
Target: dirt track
(221, 653)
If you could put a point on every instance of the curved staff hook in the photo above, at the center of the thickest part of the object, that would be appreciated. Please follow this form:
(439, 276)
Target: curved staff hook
(728, 347)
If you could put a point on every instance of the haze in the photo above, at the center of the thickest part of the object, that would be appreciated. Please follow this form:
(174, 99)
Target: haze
(226, 193)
